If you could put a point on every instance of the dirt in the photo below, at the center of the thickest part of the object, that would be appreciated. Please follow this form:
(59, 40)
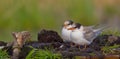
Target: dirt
(48, 36)
(2, 43)
(51, 39)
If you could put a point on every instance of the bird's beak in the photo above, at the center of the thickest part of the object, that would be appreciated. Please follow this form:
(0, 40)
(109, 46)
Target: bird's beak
(71, 28)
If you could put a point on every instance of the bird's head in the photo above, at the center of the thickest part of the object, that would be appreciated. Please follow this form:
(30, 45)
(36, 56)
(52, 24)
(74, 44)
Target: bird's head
(67, 23)
(75, 26)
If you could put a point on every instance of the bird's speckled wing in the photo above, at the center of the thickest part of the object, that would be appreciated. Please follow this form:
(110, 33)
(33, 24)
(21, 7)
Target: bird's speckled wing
(88, 33)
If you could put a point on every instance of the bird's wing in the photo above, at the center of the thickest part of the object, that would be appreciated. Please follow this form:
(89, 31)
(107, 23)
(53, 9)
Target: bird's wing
(87, 29)
(89, 34)
(89, 26)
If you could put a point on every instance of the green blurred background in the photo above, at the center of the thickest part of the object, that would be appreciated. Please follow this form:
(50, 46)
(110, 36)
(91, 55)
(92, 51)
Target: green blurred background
(34, 15)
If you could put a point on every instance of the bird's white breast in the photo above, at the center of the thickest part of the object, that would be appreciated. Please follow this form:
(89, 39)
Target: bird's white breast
(66, 35)
(77, 37)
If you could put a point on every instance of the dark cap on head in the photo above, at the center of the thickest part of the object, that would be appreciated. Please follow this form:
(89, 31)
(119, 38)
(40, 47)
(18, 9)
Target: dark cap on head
(68, 22)
(76, 25)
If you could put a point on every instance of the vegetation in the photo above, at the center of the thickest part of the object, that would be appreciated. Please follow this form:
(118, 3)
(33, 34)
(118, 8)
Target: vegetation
(42, 54)
(4, 55)
(33, 15)
(109, 49)
(111, 32)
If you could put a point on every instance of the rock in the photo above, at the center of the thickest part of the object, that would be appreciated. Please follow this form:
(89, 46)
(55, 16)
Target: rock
(116, 40)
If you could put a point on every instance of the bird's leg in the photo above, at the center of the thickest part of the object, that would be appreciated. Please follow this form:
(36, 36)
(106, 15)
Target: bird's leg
(79, 47)
(85, 46)
(72, 44)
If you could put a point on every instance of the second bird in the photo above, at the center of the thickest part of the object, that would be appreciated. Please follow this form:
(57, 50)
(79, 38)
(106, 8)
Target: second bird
(83, 35)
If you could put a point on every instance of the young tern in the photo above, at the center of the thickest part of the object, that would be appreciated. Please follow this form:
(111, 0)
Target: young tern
(65, 32)
(84, 35)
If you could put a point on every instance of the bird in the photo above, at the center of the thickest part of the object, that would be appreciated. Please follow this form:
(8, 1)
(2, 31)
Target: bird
(65, 32)
(84, 35)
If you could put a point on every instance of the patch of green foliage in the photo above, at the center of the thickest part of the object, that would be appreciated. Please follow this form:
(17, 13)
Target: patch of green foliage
(4, 55)
(42, 54)
(33, 15)
(112, 32)
(92, 54)
(109, 49)
(77, 57)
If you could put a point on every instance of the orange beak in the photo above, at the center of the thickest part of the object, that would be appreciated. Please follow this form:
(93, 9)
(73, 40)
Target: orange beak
(71, 28)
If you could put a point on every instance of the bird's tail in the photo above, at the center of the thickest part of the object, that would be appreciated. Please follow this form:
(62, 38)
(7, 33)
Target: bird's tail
(99, 30)
(101, 27)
